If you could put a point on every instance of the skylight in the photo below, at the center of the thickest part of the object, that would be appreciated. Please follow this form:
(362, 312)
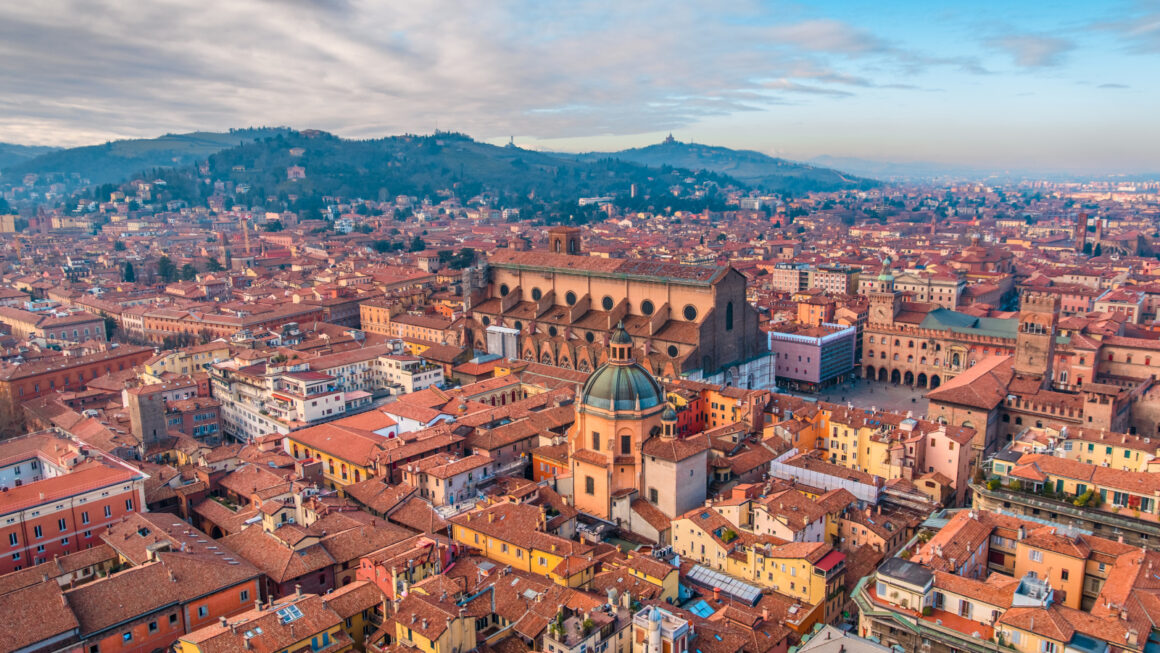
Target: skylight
(290, 613)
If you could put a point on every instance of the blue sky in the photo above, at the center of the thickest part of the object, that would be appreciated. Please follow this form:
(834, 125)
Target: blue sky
(1004, 85)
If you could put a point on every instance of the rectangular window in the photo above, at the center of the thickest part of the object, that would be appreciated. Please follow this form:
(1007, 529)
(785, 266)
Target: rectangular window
(1035, 556)
(61, 524)
(202, 612)
(37, 532)
(108, 511)
(589, 485)
(626, 445)
(595, 441)
(245, 596)
(12, 539)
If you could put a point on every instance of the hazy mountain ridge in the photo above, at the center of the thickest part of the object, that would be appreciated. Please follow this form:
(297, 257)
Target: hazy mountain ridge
(12, 153)
(117, 160)
(747, 166)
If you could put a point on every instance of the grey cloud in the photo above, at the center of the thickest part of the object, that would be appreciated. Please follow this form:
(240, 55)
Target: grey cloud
(1113, 85)
(1141, 32)
(83, 70)
(1033, 50)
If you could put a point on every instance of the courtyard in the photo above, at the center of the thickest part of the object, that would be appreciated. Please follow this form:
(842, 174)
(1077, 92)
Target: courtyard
(863, 393)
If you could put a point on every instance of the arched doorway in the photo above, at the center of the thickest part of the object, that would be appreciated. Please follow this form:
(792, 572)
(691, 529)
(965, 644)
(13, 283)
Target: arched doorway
(870, 372)
(934, 382)
(922, 379)
(895, 376)
(882, 374)
(908, 379)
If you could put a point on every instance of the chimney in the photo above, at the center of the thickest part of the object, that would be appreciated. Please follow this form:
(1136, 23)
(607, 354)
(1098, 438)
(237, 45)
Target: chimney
(257, 605)
(223, 622)
(297, 591)
(765, 614)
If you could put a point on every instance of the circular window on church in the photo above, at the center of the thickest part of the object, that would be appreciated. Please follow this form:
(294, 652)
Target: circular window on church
(690, 312)
(486, 320)
(552, 331)
(589, 336)
(673, 351)
(536, 294)
(647, 308)
(519, 325)
(504, 290)
(570, 298)
(607, 303)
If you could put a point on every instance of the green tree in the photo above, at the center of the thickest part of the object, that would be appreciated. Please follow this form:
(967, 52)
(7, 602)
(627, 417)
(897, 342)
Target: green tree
(382, 246)
(417, 245)
(110, 327)
(129, 275)
(213, 265)
(1097, 251)
(464, 258)
(119, 246)
(188, 272)
(274, 225)
(166, 269)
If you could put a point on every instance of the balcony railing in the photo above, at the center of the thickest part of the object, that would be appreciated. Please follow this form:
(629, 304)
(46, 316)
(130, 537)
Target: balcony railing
(1134, 524)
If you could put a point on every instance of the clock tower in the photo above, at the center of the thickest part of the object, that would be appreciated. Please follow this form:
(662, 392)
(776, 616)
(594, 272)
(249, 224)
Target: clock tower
(884, 300)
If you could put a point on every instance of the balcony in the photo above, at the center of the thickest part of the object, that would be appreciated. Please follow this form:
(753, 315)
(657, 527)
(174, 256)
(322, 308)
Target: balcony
(1125, 519)
(953, 630)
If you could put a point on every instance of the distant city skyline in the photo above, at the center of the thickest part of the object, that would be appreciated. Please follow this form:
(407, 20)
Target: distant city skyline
(1062, 86)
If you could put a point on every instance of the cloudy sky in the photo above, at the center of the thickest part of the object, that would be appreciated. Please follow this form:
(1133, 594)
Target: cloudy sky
(1058, 85)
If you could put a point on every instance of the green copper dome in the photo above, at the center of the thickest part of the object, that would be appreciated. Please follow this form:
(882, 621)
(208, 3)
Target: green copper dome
(620, 335)
(621, 387)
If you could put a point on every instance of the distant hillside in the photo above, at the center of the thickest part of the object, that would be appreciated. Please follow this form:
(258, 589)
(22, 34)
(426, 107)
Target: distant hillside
(749, 167)
(909, 170)
(117, 160)
(420, 166)
(11, 154)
